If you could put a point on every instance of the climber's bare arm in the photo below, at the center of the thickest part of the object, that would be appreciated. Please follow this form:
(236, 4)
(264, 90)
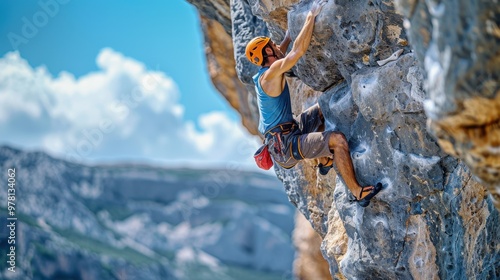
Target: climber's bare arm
(299, 48)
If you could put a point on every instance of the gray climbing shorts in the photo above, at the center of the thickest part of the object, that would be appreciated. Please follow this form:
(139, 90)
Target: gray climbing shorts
(304, 141)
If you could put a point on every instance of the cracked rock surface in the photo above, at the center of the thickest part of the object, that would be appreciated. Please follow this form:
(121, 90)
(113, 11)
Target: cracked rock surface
(457, 42)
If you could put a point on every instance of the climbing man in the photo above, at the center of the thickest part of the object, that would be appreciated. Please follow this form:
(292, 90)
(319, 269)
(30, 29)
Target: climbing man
(290, 140)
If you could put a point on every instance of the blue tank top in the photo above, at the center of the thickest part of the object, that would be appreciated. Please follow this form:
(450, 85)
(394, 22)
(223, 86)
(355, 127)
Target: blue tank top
(272, 110)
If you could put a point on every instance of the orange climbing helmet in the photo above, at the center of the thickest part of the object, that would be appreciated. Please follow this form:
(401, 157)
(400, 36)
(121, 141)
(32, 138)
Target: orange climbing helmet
(254, 49)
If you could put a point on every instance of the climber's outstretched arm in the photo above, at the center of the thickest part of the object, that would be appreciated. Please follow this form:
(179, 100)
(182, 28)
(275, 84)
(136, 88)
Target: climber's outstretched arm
(299, 46)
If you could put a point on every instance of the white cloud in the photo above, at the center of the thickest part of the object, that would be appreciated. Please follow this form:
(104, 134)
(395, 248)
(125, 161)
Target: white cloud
(122, 111)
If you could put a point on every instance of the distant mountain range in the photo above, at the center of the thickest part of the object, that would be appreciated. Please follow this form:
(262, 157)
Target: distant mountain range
(141, 222)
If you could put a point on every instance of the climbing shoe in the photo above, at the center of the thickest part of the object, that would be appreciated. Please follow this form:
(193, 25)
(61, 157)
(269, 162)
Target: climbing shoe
(323, 169)
(365, 201)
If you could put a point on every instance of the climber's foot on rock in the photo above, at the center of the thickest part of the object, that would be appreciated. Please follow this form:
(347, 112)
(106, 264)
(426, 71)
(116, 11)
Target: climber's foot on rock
(324, 168)
(369, 192)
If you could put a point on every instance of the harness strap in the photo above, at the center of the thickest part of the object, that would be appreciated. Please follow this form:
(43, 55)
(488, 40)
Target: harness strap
(284, 127)
(296, 152)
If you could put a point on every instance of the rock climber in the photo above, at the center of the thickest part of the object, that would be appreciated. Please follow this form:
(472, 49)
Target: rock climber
(290, 140)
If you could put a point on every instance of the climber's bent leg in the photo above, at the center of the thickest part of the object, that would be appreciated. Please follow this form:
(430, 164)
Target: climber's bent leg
(338, 144)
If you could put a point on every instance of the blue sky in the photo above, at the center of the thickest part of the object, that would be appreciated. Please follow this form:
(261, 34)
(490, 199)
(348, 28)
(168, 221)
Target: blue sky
(66, 67)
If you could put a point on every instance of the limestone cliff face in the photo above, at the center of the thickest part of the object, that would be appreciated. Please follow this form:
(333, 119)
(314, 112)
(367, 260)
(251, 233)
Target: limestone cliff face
(458, 43)
(433, 220)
